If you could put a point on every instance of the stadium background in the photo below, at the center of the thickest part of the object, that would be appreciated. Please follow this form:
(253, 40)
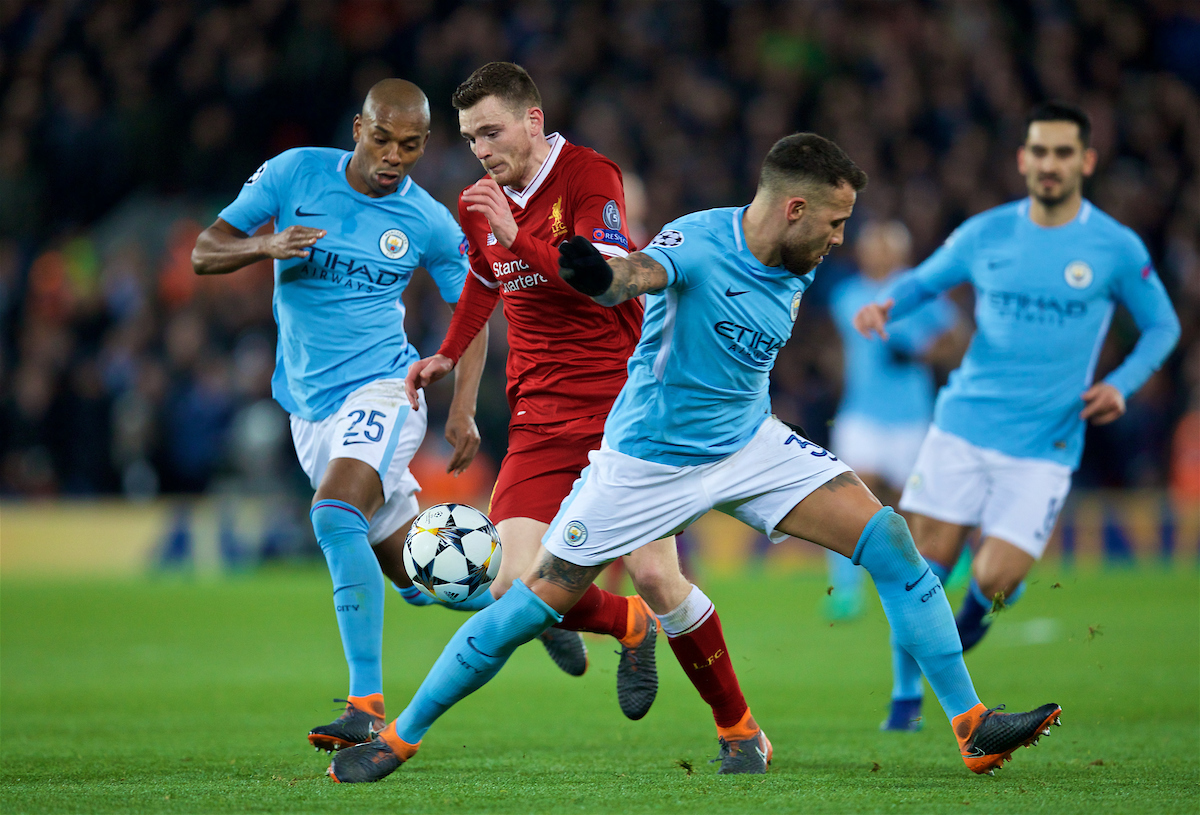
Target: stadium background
(137, 425)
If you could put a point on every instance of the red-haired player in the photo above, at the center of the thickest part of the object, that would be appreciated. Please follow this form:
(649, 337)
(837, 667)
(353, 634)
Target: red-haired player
(562, 380)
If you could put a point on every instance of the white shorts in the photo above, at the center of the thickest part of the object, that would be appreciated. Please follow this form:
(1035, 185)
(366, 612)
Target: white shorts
(377, 426)
(620, 503)
(1014, 499)
(888, 451)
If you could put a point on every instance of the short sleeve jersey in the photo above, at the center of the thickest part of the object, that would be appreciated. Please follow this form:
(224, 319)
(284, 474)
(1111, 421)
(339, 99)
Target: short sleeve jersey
(1044, 298)
(339, 312)
(885, 382)
(699, 379)
(567, 354)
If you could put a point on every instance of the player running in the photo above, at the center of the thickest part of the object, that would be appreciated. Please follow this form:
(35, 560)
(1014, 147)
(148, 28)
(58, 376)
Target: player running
(887, 397)
(691, 431)
(350, 231)
(566, 364)
(1008, 429)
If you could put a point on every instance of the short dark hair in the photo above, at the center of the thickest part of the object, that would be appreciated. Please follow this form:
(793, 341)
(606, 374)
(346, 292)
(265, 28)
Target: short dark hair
(507, 81)
(807, 157)
(1061, 112)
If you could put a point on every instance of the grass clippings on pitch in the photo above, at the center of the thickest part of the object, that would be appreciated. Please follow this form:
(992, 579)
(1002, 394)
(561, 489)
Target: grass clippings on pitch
(173, 695)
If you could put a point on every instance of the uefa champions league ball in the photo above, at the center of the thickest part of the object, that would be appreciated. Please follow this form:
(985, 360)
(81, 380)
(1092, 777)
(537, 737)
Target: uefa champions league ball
(452, 553)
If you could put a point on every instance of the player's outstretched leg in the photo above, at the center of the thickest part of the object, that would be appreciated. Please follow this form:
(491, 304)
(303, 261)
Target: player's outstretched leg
(923, 625)
(907, 686)
(473, 656)
(634, 625)
(358, 593)
(694, 633)
(974, 616)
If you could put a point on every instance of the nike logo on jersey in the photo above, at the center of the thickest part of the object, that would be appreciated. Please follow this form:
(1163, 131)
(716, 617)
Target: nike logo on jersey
(913, 585)
(729, 292)
(301, 214)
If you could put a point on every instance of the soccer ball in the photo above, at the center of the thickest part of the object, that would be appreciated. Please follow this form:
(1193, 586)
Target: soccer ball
(452, 553)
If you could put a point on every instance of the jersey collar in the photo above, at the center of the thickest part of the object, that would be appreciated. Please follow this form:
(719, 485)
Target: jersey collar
(1081, 217)
(521, 198)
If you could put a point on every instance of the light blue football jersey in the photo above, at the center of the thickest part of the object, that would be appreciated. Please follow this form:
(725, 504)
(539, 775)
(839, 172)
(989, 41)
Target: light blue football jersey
(699, 377)
(885, 382)
(1044, 297)
(339, 312)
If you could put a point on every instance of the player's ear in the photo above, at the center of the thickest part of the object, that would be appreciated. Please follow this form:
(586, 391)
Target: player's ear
(1021, 159)
(1090, 157)
(356, 130)
(794, 209)
(537, 120)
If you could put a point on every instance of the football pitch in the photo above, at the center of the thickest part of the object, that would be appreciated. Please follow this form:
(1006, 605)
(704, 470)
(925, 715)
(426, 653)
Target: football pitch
(179, 695)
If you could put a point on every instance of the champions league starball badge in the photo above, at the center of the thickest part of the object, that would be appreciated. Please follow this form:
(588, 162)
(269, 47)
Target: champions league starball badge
(393, 244)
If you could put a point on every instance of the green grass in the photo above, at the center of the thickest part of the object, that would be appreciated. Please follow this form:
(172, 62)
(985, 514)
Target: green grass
(179, 696)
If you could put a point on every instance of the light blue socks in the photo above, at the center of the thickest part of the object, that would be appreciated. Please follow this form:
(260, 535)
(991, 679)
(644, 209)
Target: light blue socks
(476, 653)
(357, 591)
(916, 608)
(906, 673)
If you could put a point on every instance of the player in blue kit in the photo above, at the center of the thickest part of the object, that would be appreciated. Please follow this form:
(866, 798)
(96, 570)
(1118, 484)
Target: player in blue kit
(1007, 433)
(692, 431)
(351, 229)
(888, 388)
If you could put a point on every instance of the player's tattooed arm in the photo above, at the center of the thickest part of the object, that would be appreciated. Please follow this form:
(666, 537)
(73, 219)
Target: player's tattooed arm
(611, 281)
(632, 276)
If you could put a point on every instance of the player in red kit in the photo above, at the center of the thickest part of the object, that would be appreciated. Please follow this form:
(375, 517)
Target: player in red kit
(539, 191)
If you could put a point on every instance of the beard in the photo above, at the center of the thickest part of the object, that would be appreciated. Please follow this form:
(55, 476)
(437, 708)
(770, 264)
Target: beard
(1050, 201)
(800, 258)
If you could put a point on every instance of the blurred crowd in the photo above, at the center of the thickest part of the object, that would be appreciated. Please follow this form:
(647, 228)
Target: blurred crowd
(125, 125)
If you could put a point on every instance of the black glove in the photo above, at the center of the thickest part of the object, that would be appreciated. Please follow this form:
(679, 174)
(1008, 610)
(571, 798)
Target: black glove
(583, 267)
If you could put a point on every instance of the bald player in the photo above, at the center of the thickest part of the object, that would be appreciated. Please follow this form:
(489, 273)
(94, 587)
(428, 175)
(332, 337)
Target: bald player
(351, 229)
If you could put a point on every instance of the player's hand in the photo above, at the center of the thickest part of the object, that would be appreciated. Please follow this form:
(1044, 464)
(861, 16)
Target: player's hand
(486, 196)
(872, 318)
(423, 373)
(293, 242)
(1103, 403)
(464, 435)
(583, 268)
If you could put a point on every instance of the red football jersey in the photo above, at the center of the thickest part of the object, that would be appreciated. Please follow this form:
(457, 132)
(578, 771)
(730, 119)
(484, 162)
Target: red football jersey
(567, 355)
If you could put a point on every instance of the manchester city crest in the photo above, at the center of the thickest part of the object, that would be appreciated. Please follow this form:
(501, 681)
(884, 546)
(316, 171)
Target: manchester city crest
(575, 533)
(393, 244)
(1078, 274)
(796, 304)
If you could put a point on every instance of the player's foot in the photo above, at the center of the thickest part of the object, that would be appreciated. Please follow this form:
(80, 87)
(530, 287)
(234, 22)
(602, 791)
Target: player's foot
(904, 716)
(363, 717)
(987, 737)
(373, 761)
(745, 748)
(637, 676)
(566, 649)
